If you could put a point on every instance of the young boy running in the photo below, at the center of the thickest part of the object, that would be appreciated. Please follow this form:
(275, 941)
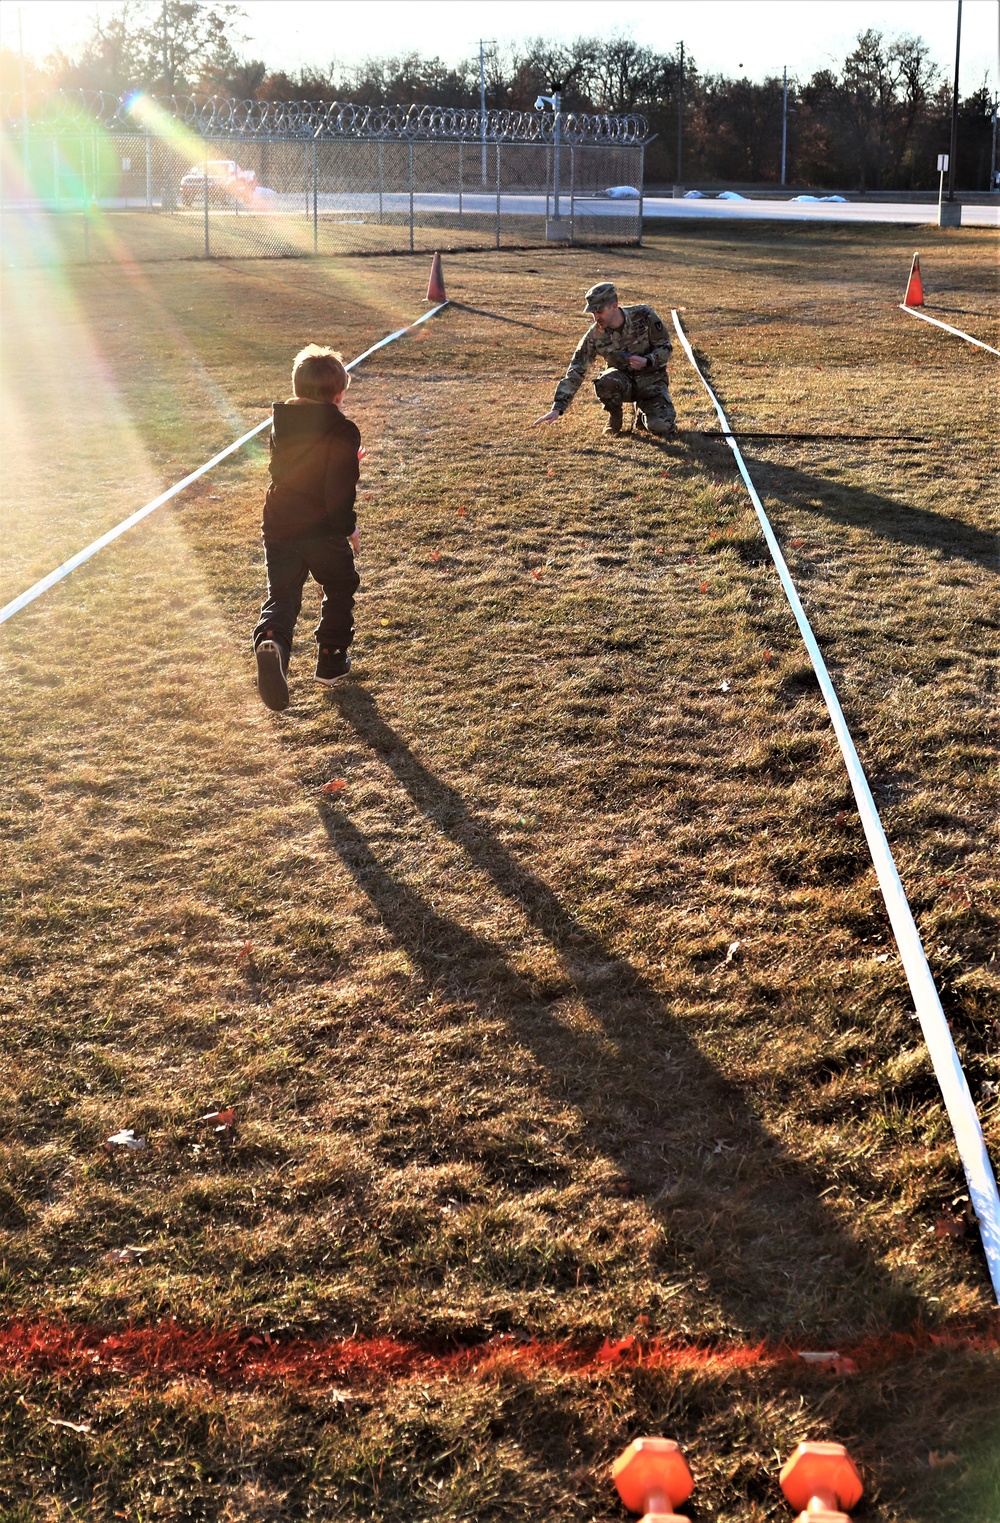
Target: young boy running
(309, 523)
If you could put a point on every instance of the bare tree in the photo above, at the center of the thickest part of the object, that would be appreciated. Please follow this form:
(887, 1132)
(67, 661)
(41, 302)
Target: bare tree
(620, 76)
(110, 59)
(884, 87)
(737, 127)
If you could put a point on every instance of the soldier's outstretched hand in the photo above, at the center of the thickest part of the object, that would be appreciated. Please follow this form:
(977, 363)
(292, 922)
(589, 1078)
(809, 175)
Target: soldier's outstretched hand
(549, 417)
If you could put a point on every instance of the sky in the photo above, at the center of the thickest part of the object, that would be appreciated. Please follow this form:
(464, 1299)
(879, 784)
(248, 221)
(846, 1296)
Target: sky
(755, 37)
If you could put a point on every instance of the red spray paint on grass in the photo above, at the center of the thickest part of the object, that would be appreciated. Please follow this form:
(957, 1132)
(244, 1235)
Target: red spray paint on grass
(168, 1351)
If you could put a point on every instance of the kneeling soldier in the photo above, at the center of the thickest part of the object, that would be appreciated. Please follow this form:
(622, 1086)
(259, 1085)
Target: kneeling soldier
(635, 346)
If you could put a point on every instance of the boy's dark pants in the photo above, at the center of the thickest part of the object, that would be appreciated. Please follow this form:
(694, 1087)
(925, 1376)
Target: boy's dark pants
(330, 559)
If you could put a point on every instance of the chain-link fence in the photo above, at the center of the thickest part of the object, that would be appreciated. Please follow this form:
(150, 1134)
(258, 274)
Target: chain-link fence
(96, 194)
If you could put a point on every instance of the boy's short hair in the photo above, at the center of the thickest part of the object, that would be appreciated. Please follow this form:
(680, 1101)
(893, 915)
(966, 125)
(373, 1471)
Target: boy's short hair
(319, 375)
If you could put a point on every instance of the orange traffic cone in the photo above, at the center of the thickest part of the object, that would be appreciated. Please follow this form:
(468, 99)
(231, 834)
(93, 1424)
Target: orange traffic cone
(914, 286)
(435, 286)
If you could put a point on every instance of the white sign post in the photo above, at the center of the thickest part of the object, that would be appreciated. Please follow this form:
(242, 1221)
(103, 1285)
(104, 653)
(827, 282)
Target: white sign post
(942, 168)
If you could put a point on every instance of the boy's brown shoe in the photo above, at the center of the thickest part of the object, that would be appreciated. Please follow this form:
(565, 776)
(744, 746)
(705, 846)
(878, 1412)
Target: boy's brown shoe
(272, 684)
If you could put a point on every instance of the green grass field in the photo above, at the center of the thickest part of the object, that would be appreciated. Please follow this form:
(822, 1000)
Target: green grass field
(499, 1084)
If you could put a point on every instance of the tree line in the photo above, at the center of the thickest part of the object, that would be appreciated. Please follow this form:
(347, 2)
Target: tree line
(877, 122)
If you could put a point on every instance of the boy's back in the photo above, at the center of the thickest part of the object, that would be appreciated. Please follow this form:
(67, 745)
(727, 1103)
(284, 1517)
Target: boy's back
(309, 523)
(314, 471)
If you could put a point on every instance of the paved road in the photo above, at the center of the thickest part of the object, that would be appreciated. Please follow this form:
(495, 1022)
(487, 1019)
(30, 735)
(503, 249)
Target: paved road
(364, 206)
(823, 211)
(525, 205)
(480, 205)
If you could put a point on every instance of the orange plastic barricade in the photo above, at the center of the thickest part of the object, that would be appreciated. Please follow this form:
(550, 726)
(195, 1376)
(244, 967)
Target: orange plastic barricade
(822, 1480)
(653, 1478)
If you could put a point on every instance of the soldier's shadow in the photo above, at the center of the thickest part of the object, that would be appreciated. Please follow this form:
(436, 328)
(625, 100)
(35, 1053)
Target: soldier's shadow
(861, 508)
(856, 506)
(743, 1218)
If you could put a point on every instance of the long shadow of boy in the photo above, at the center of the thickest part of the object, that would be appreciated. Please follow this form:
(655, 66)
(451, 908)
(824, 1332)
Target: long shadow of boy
(739, 1211)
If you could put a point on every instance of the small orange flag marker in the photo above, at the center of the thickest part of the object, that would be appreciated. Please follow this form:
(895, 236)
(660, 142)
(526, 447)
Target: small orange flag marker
(914, 286)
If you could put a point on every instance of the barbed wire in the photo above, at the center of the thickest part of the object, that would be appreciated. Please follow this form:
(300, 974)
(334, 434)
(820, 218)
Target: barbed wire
(67, 111)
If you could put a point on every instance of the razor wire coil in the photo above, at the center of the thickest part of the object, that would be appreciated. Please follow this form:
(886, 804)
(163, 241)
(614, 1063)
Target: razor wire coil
(220, 116)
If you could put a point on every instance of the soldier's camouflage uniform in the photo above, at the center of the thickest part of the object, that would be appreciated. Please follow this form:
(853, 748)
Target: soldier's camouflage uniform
(643, 333)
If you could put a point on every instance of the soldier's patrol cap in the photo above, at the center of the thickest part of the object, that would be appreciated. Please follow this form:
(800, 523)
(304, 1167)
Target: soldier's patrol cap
(600, 295)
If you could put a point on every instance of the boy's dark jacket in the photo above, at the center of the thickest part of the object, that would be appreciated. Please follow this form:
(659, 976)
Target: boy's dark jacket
(314, 471)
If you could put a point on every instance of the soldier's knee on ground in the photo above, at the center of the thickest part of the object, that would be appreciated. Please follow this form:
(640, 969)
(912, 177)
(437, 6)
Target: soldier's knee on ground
(664, 427)
(661, 416)
(611, 388)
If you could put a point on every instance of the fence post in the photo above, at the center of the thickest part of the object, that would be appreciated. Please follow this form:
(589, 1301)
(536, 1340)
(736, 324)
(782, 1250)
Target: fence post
(411, 195)
(55, 169)
(86, 235)
(572, 189)
(461, 145)
(547, 152)
(642, 188)
(205, 169)
(380, 182)
(496, 149)
(315, 198)
(149, 173)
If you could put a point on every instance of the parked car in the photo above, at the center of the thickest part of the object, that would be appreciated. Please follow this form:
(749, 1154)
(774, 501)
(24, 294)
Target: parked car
(226, 181)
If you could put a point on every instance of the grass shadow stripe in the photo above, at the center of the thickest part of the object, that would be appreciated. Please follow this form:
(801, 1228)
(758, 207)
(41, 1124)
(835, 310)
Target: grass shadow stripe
(933, 1022)
(661, 1100)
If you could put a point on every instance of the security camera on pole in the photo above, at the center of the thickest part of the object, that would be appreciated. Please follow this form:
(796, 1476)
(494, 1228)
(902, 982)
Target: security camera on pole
(556, 228)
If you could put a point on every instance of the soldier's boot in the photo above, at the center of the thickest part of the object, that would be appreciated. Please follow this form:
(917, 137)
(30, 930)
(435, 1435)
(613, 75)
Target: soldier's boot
(614, 412)
(640, 422)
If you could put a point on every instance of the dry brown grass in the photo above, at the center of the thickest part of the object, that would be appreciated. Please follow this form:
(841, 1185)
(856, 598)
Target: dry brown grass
(492, 1068)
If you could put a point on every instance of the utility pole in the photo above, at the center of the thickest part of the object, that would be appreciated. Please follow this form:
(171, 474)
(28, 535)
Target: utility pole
(557, 108)
(680, 115)
(784, 124)
(24, 93)
(954, 110)
(482, 98)
(555, 229)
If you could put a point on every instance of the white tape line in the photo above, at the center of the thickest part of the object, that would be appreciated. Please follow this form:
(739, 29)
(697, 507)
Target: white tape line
(398, 334)
(106, 539)
(937, 1034)
(64, 570)
(948, 328)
